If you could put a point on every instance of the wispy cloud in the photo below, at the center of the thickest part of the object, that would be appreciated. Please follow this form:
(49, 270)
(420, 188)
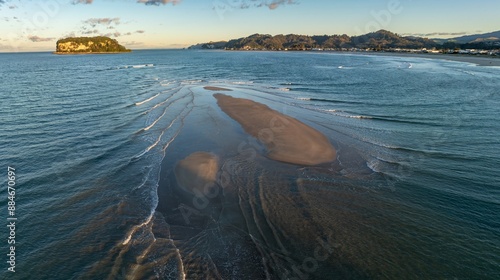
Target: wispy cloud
(245, 4)
(275, 4)
(435, 34)
(158, 2)
(105, 27)
(75, 2)
(34, 38)
(102, 21)
(88, 32)
(12, 7)
(223, 6)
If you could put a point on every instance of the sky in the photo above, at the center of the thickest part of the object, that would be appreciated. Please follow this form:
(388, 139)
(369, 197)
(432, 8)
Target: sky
(31, 25)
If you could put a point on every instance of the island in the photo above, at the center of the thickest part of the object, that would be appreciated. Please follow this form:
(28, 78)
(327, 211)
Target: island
(89, 45)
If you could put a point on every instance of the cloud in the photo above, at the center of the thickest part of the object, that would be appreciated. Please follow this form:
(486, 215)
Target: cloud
(102, 21)
(104, 27)
(94, 31)
(133, 44)
(114, 34)
(34, 38)
(436, 34)
(130, 33)
(158, 2)
(12, 7)
(223, 6)
(75, 2)
(275, 4)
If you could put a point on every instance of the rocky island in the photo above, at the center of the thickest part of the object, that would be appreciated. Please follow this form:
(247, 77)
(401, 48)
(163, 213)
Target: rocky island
(86, 45)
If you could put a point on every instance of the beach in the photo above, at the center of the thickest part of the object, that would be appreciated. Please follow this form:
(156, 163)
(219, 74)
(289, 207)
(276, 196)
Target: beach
(285, 138)
(480, 60)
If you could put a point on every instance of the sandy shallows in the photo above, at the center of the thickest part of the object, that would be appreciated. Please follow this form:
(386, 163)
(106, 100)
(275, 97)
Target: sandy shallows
(217, 89)
(285, 138)
(197, 172)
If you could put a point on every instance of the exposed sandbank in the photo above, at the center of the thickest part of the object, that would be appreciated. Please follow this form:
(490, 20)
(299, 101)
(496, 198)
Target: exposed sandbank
(285, 138)
(197, 172)
(216, 88)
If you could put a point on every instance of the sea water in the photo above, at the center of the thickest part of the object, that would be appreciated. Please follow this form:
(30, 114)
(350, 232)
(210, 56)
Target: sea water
(93, 139)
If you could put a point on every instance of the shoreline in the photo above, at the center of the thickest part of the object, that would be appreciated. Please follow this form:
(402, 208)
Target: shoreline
(83, 53)
(478, 60)
(286, 139)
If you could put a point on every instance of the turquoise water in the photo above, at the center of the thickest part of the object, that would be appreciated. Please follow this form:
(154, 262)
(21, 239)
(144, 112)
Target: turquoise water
(413, 194)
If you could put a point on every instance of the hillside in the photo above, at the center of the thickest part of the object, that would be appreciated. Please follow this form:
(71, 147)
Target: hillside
(477, 38)
(379, 40)
(98, 44)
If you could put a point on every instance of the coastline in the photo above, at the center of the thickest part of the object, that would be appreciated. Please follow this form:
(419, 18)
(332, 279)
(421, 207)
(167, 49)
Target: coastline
(82, 53)
(478, 60)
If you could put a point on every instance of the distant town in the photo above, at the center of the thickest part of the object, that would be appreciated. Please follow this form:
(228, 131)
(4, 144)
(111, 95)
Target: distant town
(380, 41)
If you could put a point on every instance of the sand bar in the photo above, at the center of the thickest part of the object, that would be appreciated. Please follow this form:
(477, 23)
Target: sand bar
(197, 172)
(286, 139)
(216, 88)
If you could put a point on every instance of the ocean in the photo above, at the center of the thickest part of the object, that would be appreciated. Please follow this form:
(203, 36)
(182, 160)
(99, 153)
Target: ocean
(94, 141)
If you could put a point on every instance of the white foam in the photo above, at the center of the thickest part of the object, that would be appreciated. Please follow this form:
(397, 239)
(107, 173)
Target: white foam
(135, 228)
(345, 115)
(284, 89)
(190, 82)
(159, 104)
(159, 118)
(178, 131)
(373, 165)
(140, 66)
(242, 83)
(147, 100)
(303, 98)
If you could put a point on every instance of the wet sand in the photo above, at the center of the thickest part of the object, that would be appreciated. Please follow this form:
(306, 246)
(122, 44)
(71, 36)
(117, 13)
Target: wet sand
(197, 172)
(286, 139)
(266, 218)
(216, 88)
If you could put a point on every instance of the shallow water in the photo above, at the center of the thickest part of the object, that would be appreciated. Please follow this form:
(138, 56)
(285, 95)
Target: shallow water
(413, 192)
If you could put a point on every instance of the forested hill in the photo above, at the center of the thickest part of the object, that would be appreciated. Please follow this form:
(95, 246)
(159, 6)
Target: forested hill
(98, 44)
(379, 40)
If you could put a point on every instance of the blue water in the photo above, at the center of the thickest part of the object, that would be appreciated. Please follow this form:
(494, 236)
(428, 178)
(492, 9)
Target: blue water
(413, 194)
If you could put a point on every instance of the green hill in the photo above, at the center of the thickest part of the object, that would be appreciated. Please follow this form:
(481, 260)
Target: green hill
(98, 44)
(379, 40)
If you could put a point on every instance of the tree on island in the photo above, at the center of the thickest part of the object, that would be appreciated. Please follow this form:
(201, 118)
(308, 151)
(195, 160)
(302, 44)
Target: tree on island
(99, 44)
